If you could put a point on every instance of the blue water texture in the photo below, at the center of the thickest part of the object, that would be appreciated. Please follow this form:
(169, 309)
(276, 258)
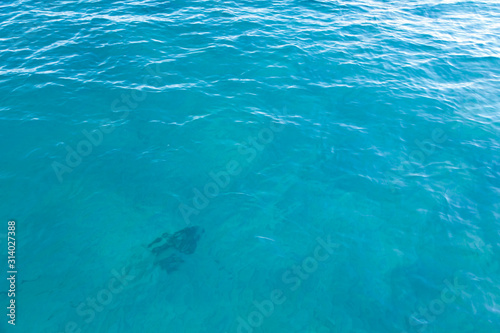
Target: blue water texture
(251, 166)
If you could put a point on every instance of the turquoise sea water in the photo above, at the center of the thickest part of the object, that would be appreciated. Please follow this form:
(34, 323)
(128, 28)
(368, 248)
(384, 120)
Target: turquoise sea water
(251, 166)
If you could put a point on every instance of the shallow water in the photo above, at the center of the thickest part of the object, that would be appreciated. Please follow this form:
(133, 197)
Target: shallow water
(341, 159)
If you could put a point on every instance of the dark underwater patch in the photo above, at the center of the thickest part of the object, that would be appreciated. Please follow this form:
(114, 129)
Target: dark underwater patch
(171, 249)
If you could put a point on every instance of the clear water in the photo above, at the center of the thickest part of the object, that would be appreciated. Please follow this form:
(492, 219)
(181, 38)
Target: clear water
(371, 125)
